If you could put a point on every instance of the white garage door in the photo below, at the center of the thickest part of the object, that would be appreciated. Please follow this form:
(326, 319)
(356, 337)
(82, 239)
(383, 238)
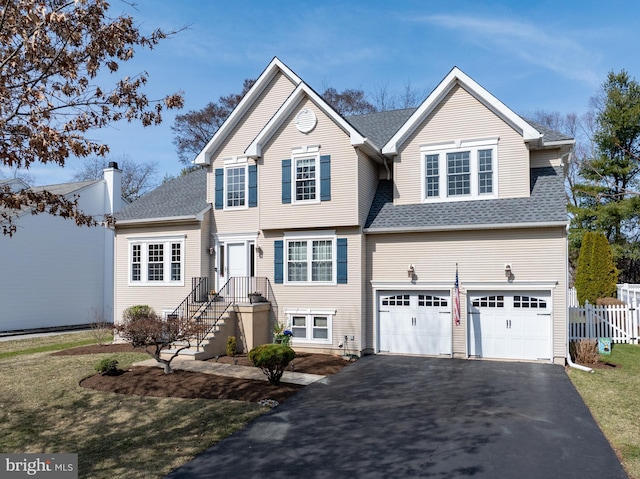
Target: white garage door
(510, 325)
(417, 322)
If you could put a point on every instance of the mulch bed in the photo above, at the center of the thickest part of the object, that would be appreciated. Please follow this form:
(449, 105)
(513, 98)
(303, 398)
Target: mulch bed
(143, 381)
(152, 381)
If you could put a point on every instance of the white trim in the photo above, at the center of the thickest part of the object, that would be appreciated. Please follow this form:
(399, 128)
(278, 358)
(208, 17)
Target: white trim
(234, 237)
(411, 286)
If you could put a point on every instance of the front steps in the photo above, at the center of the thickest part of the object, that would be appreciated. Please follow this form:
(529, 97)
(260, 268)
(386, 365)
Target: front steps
(214, 344)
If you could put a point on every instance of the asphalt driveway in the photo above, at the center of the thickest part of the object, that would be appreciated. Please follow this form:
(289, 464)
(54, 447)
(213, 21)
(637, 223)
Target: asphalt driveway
(403, 417)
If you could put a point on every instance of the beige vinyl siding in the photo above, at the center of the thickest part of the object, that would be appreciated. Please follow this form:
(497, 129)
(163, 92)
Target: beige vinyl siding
(460, 116)
(158, 297)
(237, 141)
(367, 184)
(535, 255)
(207, 261)
(342, 210)
(543, 158)
(345, 299)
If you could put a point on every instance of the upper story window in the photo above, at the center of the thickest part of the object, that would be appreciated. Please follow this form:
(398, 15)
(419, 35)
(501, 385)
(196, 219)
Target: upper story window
(465, 169)
(156, 261)
(306, 176)
(306, 179)
(236, 185)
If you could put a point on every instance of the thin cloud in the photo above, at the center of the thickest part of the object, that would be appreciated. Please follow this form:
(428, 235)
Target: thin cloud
(554, 51)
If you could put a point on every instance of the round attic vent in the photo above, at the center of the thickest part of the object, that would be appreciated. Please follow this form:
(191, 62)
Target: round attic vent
(306, 120)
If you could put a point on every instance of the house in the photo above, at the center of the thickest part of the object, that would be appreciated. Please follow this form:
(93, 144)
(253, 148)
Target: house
(56, 274)
(361, 226)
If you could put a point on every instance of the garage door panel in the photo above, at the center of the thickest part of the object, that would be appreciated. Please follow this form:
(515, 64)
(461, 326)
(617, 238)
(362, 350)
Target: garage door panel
(415, 322)
(510, 325)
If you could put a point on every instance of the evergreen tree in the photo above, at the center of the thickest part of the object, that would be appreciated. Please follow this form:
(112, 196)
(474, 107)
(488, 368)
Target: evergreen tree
(607, 199)
(583, 273)
(597, 275)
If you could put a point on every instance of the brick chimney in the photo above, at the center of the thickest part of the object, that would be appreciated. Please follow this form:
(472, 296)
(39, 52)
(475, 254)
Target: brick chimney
(113, 180)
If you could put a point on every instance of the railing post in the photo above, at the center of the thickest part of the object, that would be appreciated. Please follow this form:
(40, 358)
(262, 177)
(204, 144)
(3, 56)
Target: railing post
(634, 321)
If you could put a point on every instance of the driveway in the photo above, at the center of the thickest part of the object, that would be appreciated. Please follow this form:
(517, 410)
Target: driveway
(403, 417)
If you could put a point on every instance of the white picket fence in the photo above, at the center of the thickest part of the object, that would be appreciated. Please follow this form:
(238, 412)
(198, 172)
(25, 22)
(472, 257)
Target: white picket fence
(618, 322)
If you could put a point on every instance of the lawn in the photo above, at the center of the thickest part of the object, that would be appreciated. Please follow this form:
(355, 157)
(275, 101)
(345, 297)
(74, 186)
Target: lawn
(613, 396)
(42, 409)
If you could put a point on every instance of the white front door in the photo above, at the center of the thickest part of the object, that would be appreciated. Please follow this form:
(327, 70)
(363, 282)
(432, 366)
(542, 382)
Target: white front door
(510, 325)
(415, 322)
(238, 270)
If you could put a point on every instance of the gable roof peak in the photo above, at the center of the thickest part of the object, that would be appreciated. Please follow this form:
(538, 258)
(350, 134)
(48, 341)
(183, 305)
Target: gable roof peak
(457, 77)
(275, 66)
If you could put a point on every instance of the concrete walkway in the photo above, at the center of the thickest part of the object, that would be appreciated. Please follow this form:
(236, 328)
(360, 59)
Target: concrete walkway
(406, 417)
(210, 367)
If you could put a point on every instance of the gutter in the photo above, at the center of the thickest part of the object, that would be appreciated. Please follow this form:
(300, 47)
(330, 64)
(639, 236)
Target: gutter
(494, 226)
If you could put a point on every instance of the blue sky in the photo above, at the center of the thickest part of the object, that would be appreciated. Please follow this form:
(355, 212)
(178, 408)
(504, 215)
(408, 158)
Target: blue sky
(551, 55)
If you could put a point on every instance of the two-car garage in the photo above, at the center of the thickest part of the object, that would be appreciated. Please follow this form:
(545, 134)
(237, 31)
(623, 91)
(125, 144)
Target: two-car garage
(501, 324)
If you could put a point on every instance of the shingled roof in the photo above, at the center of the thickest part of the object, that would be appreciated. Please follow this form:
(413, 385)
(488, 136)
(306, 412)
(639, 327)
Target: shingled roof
(545, 205)
(184, 196)
(381, 126)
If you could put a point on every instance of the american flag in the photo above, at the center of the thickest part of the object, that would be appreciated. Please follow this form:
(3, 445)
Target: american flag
(456, 301)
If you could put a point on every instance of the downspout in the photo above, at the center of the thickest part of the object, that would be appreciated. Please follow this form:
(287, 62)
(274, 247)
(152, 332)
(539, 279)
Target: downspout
(384, 161)
(570, 363)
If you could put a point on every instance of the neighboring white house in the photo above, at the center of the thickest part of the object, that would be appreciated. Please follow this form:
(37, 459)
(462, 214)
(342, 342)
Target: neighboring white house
(53, 272)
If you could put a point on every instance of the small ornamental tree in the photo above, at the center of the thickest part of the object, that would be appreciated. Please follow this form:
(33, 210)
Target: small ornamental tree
(597, 275)
(272, 359)
(142, 327)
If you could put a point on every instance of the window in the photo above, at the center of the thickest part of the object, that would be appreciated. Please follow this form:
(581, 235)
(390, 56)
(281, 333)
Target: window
(528, 302)
(463, 169)
(399, 300)
(488, 302)
(156, 261)
(458, 174)
(305, 186)
(136, 262)
(310, 260)
(236, 187)
(428, 300)
(310, 325)
(432, 177)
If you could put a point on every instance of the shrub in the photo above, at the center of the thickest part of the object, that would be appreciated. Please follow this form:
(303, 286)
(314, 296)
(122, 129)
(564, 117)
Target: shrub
(272, 359)
(107, 366)
(232, 347)
(139, 311)
(584, 351)
(596, 276)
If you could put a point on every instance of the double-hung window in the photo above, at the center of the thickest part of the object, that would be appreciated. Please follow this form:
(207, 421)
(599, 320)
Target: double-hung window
(156, 261)
(305, 186)
(464, 169)
(311, 260)
(236, 186)
(310, 326)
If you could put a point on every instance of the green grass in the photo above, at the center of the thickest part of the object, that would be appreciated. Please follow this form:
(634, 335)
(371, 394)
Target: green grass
(43, 409)
(613, 396)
